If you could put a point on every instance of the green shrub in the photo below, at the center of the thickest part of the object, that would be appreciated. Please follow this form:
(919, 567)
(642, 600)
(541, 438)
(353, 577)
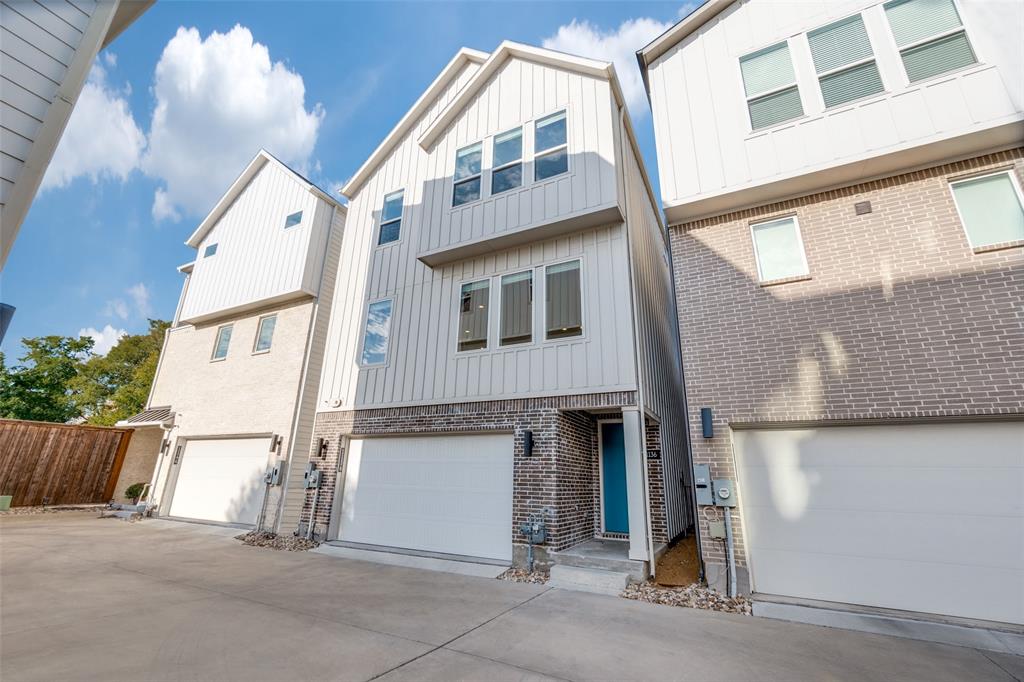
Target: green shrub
(134, 491)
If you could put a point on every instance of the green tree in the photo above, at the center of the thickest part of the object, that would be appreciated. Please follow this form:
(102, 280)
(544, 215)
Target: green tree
(40, 388)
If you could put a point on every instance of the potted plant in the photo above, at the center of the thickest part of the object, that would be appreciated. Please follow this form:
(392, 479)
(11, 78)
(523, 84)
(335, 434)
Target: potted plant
(134, 492)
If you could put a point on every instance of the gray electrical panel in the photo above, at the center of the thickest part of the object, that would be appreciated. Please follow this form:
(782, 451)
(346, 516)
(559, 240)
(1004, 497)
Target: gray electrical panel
(725, 495)
(702, 484)
(311, 477)
(275, 473)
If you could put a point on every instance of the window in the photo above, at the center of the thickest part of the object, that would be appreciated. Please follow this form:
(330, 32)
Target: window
(551, 153)
(930, 36)
(778, 249)
(517, 308)
(375, 338)
(991, 209)
(220, 346)
(770, 85)
(564, 306)
(507, 163)
(391, 218)
(844, 61)
(467, 174)
(265, 333)
(293, 220)
(210, 250)
(473, 312)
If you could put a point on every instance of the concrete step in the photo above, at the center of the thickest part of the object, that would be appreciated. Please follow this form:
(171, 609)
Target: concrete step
(128, 515)
(588, 579)
(603, 555)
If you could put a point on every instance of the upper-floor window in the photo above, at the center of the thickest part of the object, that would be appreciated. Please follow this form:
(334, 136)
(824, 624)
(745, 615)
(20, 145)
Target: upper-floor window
(293, 220)
(770, 86)
(468, 161)
(220, 346)
(375, 336)
(564, 300)
(931, 37)
(474, 309)
(210, 250)
(265, 333)
(991, 208)
(778, 249)
(517, 308)
(507, 161)
(391, 218)
(844, 61)
(550, 146)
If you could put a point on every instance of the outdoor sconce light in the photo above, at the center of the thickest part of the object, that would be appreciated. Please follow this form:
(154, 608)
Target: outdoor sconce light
(707, 427)
(528, 443)
(321, 447)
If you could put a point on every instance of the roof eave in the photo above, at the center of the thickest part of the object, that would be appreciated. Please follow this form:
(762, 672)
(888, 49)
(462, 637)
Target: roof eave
(678, 31)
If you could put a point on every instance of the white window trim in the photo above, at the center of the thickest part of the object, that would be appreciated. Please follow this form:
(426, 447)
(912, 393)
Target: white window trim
(259, 327)
(795, 84)
(873, 58)
(800, 240)
(381, 223)
(216, 342)
(520, 161)
(533, 307)
(600, 463)
(544, 307)
(302, 215)
(362, 337)
(215, 246)
(490, 315)
(978, 176)
(469, 178)
(550, 150)
(907, 83)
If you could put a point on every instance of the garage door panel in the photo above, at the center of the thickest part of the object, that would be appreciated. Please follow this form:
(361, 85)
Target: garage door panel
(903, 516)
(221, 480)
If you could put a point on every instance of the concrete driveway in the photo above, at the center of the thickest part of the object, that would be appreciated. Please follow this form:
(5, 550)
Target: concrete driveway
(89, 599)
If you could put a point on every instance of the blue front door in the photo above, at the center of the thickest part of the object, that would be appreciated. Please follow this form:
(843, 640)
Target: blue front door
(613, 478)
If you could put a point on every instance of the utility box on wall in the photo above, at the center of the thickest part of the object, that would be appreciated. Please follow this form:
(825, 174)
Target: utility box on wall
(702, 484)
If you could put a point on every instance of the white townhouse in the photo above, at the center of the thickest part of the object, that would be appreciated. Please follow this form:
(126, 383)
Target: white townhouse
(235, 390)
(842, 182)
(509, 348)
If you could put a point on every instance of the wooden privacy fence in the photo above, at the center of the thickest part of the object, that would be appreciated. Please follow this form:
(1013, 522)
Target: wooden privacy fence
(59, 463)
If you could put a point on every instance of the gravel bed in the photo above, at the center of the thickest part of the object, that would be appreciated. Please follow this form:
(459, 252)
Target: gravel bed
(695, 596)
(262, 538)
(519, 575)
(53, 509)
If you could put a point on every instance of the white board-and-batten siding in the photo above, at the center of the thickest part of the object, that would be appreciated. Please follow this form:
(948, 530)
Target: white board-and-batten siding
(257, 259)
(704, 139)
(423, 365)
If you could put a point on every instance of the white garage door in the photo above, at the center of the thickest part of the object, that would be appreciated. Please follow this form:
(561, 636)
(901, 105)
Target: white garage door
(923, 518)
(221, 480)
(448, 494)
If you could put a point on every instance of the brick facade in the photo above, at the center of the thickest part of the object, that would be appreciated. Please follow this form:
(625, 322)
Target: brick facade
(560, 476)
(899, 318)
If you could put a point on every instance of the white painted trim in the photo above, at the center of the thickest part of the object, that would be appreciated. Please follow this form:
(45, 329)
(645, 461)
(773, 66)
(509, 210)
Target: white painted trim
(800, 240)
(600, 467)
(1014, 182)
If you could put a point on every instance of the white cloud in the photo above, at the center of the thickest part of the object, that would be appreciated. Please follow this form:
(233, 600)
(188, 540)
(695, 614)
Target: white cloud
(218, 100)
(618, 46)
(101, 139)
(116, 307)
(140, 296)
(103, 339)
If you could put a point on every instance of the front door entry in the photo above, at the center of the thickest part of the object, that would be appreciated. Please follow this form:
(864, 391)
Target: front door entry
(614, 510)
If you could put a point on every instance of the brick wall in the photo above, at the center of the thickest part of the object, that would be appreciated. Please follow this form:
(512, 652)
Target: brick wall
(656, 482)
(900, 318)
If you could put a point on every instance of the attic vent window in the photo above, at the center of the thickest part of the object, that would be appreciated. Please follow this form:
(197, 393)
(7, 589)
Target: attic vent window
(210, 250)
(293, 220)
(467, 174)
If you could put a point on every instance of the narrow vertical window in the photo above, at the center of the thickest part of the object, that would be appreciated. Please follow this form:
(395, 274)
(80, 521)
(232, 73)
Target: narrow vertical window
(293, 220)
(550, 146)
(220, 346)
(990, 209)
(563, 300)
(517, 308)
(844, 61)
(507, 163)
(391, 218)
(467, 174)
(770, 84)
(931, 37)
(378, 327)
(210, 250)
(778, 249)
(473, 311)
(265, 333)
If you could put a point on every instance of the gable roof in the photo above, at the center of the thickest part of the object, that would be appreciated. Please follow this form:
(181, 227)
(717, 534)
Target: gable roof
(684, 27)
(454, 67)
(262, 158)
(507, 50)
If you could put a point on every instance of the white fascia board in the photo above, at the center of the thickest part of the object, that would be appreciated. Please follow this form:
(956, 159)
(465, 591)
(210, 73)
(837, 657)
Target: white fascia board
(461, 58)
(667, 40)
(187, 267)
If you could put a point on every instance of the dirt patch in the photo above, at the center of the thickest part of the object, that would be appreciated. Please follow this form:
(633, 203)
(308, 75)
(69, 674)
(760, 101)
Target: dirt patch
(56, 509)
(693, 596)
(680, 565)
(519, 575)
(274, 541)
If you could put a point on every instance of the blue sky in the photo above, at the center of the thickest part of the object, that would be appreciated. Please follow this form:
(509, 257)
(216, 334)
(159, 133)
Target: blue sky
(186, 96)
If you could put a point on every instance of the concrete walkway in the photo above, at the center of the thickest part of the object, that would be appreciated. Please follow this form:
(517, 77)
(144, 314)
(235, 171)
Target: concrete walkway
(92, 599)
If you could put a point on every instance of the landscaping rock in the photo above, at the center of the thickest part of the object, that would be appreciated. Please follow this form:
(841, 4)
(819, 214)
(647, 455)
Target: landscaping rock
(695, 596)
(262, 538)
(519, 575)
(53, 509)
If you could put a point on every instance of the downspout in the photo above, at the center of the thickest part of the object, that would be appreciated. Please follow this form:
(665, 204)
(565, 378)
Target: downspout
(296, 413)
(636, 346)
